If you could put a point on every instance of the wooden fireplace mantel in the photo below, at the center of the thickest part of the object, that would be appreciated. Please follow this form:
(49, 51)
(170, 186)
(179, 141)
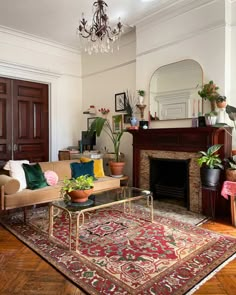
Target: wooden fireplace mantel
(179, 139)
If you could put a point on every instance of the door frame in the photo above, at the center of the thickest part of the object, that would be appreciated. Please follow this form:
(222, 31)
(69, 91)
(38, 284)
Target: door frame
(26, 73)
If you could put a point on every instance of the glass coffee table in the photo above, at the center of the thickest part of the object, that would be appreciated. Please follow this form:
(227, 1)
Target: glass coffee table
(125, 197)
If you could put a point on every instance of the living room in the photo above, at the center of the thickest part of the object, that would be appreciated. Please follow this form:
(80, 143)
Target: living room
(203, 31)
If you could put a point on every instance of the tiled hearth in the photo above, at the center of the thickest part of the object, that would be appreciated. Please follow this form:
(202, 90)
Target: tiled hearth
(195, 203)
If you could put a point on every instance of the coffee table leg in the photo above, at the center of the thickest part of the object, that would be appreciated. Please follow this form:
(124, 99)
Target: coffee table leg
(78, 225)
(150, 205)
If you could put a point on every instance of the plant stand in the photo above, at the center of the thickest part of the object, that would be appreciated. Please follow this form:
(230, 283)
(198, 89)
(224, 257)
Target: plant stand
(141, 107)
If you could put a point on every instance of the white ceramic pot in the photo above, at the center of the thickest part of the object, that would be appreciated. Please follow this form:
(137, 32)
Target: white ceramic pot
(210, 120)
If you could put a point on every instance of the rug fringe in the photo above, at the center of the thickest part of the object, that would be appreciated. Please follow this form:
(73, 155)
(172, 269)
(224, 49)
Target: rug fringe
(212, 274)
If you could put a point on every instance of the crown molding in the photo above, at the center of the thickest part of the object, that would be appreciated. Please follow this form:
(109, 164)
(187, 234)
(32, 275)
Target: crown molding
(36, 39)
(10, 67)
(182, 38)
(171, 10)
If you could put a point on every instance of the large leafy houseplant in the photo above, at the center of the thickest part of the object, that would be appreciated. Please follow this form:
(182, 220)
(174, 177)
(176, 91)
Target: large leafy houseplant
(210, 165)
(102, 124)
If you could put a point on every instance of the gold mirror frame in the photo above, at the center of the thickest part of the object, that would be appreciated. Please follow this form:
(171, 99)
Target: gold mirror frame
(173, 91)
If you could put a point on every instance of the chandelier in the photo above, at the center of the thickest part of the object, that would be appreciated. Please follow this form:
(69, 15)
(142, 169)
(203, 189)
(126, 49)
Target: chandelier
(99, 37)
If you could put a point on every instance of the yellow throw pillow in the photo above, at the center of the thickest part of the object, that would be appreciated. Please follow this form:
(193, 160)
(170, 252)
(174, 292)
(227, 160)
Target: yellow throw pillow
(98, 166)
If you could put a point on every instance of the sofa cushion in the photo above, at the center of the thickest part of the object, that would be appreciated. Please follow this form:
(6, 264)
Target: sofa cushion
(16, 171)
(98, 166)
(51, 177)
(34, 176)
(78, 169)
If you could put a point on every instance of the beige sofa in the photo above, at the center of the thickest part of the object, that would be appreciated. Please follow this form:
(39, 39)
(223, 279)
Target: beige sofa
(47, 194)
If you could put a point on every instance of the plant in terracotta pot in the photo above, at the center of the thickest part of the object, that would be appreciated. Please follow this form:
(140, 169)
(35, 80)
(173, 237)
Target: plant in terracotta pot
(210, 165)
(209, 92)
(102, 124)
(79, 189)
(230, 168)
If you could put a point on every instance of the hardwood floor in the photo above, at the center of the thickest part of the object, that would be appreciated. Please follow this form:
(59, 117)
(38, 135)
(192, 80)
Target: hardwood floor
(24, 272)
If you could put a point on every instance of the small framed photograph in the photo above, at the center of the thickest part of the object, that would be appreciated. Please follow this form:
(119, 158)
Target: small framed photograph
(126, 119)
(120, 102)
(117, 123)
(90, 121)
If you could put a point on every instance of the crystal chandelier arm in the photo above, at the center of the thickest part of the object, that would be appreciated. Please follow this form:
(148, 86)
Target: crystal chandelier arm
(99, 33)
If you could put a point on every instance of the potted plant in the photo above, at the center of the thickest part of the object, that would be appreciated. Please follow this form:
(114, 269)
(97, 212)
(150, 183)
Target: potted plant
(210, 118)
(141, 94)
(209, 92)
(79, 189)
(102, 124)
(230, 168)
(221, 101)
(210, 165)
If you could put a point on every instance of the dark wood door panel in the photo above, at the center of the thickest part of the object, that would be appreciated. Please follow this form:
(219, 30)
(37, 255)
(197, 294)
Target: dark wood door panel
(23, 120)
(5, 119)
(31, 110)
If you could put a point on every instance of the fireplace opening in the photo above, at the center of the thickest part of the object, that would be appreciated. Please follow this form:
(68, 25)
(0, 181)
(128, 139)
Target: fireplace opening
(169, 180)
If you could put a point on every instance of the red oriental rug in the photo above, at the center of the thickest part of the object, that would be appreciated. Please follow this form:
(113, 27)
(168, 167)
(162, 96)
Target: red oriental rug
(123, 255)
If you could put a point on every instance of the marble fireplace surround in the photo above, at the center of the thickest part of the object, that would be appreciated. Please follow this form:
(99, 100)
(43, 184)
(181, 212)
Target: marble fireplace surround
(181, 144)
(195, 203)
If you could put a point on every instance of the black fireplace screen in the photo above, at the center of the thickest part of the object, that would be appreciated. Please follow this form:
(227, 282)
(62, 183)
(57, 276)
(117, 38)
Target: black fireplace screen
(169, 179)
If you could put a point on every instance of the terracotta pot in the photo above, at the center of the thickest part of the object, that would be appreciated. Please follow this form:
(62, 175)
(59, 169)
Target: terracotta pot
(230, 175)
(221, 104)
(116, 168)
(107, 157)
(233, 153)
(79, 196)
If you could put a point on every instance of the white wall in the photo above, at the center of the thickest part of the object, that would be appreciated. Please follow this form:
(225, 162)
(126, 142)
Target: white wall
(191, 35)
(104, 76)
(27, 58)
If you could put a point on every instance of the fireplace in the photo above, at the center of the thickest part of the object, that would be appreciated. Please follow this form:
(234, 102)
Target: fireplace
(169, 180)
(179, 144)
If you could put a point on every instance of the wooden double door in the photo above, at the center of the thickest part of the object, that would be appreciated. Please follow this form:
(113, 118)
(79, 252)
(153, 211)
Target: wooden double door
(24, 129)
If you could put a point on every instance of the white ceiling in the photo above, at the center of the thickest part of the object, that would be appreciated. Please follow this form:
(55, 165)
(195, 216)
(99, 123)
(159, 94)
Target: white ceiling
(57, 20)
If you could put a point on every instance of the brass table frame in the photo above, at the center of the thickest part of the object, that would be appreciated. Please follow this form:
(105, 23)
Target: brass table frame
(80, 214)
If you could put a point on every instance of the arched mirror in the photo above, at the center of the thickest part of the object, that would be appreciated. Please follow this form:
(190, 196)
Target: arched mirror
(174, 91)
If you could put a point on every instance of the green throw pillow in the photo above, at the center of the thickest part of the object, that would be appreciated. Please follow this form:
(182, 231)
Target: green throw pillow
(34, 176)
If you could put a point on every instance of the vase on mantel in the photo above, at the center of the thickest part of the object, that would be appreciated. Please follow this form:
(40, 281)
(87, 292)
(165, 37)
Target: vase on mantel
(133, 121)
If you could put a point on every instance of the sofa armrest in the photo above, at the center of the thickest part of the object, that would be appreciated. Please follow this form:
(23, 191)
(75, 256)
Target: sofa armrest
(10, 185)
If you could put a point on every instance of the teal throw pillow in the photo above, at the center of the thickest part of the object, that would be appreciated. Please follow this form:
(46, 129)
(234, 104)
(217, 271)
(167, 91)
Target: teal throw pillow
(34, 176)
(78, 169)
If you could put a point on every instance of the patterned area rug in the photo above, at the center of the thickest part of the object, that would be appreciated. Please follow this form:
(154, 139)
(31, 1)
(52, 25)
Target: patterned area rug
(123, 255)
(178, 213)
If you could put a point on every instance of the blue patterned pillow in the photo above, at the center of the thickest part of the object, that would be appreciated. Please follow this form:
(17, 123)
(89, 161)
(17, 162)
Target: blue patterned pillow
(78, 169)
